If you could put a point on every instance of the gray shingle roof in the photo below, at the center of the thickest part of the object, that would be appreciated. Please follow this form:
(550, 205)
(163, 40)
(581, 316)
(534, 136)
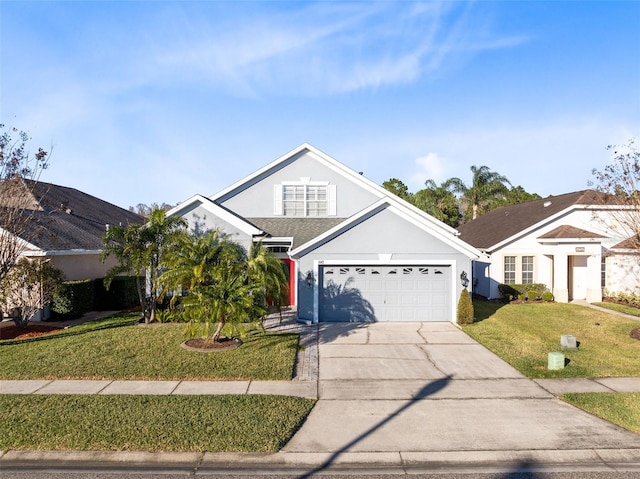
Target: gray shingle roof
(69, 219)
(301, 229)
(497, 225)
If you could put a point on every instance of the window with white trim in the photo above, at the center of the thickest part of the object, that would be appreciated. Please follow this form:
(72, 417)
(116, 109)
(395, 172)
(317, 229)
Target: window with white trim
(527, 270)
(305, 199)
(509, 269)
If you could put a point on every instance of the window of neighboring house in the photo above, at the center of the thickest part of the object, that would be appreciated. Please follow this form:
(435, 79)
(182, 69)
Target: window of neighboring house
(527, 270)
(603, 271)
(509, 269)
(312, 199)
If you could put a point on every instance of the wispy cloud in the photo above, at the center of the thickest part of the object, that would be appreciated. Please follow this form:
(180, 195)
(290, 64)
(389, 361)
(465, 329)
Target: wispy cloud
(324, 48)
(429, 167)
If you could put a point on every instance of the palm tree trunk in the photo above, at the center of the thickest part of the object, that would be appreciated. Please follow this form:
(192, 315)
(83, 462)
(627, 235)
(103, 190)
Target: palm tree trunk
(216, 335)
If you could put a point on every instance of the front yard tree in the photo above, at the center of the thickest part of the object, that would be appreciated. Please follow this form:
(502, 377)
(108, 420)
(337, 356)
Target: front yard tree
(620, 183)
(486, 186)
(19, 170)
(223, 283)
(27, 288)
(139, 249)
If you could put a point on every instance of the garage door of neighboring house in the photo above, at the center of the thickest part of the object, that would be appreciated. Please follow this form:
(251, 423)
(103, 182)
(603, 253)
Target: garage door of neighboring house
(385, 293)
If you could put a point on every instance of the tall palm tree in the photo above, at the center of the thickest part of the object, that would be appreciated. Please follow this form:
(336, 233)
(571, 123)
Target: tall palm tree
(139, 249)
(223, 283)
(485, 186)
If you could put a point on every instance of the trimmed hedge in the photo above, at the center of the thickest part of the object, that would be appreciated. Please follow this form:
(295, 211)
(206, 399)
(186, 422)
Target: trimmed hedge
(73, 300)
(511, 291)
(122, 293)
(465, 308)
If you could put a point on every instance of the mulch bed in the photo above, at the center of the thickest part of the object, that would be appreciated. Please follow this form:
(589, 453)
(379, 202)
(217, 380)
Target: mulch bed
(204, 346)
(635, 333)
(32, 330)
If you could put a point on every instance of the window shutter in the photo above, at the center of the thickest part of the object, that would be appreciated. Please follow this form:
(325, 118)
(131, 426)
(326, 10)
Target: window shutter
(277, 200)
(332, 209)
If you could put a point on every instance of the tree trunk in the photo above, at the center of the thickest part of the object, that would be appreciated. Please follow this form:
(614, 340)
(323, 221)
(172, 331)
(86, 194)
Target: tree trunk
(216, 336)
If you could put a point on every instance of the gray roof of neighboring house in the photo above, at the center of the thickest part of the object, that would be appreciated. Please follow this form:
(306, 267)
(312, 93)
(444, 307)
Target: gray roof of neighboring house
(502, 223)
(69, 219)
(302, 230)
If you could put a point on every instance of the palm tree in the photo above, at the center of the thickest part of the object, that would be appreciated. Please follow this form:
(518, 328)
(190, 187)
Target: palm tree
(438, 201)
(139, 249)
(486, 185)
(223, 283)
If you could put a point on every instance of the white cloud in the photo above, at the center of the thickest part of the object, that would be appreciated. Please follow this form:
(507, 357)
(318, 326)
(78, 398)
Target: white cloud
(429, 167)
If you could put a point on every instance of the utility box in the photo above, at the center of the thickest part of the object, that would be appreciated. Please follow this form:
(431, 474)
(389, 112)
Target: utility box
(556, 361)
(567, 341)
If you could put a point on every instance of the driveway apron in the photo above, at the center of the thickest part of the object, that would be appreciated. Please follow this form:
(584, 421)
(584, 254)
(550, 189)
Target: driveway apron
(409, 387)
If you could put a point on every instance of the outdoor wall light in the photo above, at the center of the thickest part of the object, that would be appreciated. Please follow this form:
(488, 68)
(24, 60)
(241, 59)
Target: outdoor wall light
(464, 279)
(309, 279)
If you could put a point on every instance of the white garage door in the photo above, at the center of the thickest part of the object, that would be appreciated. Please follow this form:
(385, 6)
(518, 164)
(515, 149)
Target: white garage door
(385, 293)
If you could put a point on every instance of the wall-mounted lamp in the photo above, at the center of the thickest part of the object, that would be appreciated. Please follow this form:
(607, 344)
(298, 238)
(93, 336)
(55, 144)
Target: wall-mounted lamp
(309, 279)
(464, 279)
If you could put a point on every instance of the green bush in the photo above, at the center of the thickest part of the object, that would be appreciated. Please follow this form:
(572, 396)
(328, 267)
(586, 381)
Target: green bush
(122, 293)
(547, 296)
(73, 300)
(623, 298)
(465, 308)
(532, 295)
(521, 291)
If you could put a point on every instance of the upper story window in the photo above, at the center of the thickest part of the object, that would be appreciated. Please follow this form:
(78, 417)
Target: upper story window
(305, 199)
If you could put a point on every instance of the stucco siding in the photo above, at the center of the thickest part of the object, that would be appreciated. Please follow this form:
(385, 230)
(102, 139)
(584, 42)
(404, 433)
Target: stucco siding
(623, 273)
(200, 219)
(82, 266)
(256, 198)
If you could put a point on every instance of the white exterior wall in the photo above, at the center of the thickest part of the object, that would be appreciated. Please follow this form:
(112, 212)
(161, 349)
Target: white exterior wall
(623, 273)
(559, 263)
(82, 266)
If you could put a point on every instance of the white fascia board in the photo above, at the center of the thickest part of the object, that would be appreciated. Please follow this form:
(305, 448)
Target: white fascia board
(218, 211)
(552, 241)
(63, 252)
(403, 212)
(277, 240)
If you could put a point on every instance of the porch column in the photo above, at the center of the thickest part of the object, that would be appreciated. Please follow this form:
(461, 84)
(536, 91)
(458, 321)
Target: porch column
(561, 278)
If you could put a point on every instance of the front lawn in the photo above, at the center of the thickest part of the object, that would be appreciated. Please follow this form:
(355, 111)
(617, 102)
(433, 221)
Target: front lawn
(620, 307)
(622, 409)
(115, 348)
(150, 423)
(524, 334)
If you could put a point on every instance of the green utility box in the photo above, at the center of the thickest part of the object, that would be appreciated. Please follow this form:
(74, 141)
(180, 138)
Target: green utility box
(556, 361)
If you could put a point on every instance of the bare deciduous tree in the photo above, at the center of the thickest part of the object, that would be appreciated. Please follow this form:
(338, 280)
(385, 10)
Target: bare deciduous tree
(620, 183)
(19, 170)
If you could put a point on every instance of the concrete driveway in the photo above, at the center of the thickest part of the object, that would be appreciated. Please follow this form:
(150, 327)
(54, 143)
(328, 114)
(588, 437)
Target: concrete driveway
(428, 388)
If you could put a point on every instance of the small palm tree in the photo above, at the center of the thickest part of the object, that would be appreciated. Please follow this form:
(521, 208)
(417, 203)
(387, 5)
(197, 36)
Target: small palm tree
(139, 249)
(223, 283)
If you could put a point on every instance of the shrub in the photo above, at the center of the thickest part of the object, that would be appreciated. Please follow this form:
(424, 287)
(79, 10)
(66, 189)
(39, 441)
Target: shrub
(73, 299)
(521, 291)
(465, 308)
(532, 295)
(122, 293)
(547, 296)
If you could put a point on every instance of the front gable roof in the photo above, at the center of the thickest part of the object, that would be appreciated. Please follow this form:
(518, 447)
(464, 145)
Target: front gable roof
(502, 225)
(217, 210)
(302, 230)
(290, 157)
(420, 219)
(570, 232)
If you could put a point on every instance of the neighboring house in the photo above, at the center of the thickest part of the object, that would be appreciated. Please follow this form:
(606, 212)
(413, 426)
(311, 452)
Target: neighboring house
(572, 243)
(67, 227)
(354, 251)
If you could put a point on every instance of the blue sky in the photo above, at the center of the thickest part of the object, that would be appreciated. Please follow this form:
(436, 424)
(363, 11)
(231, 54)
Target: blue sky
(156, 101)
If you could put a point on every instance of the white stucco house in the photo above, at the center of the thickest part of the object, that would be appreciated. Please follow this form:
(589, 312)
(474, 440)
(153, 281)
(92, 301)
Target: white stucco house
(353, 251)
(572, 243)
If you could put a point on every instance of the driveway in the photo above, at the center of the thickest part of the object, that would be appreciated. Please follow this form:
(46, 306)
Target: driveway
(430, 388)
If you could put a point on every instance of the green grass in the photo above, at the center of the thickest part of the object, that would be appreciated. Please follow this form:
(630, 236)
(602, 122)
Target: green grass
(524, 334)
(622, 409)
(150, 423)
(621, 308)
(115, 348)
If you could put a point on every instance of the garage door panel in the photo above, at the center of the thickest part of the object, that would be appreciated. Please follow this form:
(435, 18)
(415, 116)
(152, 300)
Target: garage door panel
(385, 293)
